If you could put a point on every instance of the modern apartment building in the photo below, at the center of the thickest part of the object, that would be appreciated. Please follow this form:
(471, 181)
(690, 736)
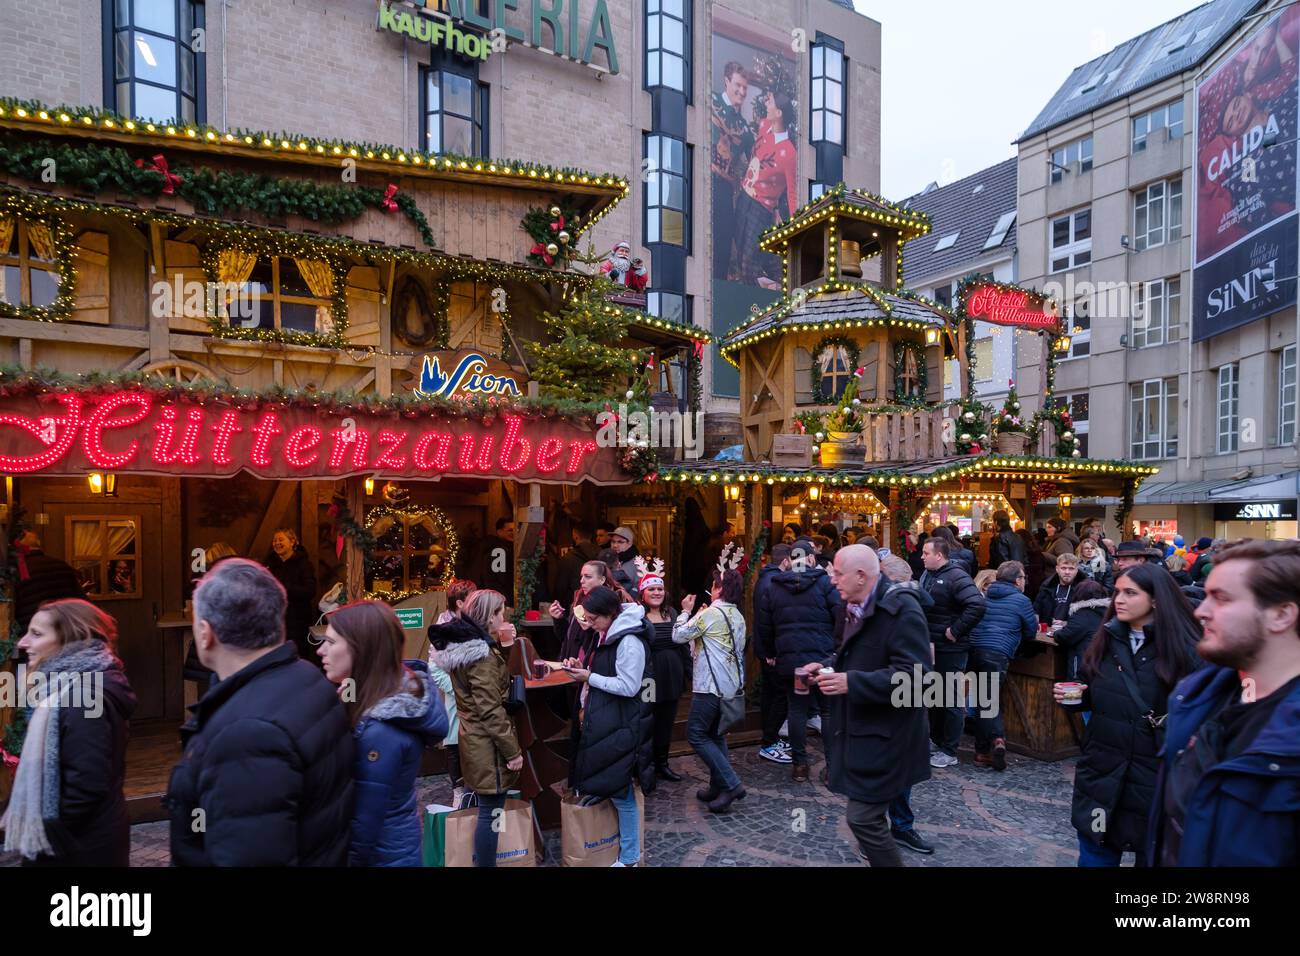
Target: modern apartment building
(677, 95)
(1175, 359)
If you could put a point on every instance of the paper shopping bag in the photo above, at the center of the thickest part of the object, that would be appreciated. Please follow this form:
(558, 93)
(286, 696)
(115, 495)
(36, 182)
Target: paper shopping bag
(515, 843)
(433, 851)
(589, 835)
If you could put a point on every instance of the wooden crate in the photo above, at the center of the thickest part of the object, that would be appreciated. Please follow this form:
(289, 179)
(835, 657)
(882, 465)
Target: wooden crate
(792, 451)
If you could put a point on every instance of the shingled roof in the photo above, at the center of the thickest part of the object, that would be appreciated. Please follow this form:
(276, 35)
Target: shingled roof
(1164, 51)
(971, 209)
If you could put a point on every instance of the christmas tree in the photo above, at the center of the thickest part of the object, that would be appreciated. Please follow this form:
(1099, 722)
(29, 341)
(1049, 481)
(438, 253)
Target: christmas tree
(579, 362)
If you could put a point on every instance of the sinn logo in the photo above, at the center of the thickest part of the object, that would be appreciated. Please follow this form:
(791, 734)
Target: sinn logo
(1258, 281)
(471, 375)
(77, 909)
(1260, 512)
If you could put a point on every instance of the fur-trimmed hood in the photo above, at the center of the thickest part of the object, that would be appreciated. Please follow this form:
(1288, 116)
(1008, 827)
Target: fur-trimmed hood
(417, 711)
(1099, 604)
(458, 656)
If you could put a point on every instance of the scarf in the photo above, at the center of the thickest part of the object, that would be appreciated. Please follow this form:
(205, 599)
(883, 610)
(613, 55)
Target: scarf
(36, 796)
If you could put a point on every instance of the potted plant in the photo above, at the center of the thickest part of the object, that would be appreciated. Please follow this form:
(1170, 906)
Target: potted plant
(843, 442)
(1009, 426)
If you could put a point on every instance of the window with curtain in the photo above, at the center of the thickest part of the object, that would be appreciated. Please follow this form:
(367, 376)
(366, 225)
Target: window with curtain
(835, 372)
(1158, 214)
(154, 58)
(277, 292)
(105, 553)
(454, 112)
(29, 267)
(668, 45)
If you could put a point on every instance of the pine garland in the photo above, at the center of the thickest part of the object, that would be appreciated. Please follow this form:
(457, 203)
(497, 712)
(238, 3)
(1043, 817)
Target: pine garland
(901, 351)
(528, 570)
(61, 236)
(553, 228)
(853, 353)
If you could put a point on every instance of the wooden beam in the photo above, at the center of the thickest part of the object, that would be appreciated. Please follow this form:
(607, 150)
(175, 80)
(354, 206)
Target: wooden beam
(392, 277)
(74, 333)
(355, 559)
(157, 233)
(272, 519)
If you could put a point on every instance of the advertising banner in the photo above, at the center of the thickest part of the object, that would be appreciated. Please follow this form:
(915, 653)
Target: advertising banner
(1245, 254)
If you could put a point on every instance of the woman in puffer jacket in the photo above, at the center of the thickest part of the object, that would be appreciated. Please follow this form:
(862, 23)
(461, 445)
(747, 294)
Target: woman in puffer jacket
(396, 711)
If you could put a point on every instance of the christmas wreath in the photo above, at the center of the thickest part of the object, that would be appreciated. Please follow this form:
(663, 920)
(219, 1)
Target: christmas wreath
(851, 361)
(552, 233)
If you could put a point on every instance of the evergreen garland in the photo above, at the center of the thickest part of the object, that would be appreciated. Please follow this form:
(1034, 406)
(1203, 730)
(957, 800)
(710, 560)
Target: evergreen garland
(61, 236)
(528, 570)
(551, 229)
(851, 350)
(973, 428)
(901, 350)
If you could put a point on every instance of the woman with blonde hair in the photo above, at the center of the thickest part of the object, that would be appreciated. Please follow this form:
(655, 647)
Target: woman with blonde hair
(67, 807)
(291, 565)
(984, 579)
(467, 649)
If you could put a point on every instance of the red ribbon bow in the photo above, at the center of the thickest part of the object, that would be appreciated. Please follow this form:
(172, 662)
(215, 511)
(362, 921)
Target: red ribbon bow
(170, 179)
(540, 250)
(388, 204)
(557, 225)
(699, 348)
(8, 759)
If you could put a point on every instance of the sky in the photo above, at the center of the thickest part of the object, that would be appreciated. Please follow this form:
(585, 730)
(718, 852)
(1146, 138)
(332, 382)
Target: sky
(962, 80)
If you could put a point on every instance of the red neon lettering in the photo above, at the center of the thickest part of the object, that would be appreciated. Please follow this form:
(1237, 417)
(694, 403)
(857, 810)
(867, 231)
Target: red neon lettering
(225, 430)
(92, 440)
(188, 452)
(467, 460)
(300, 441)
(71, 423)
(265, 430)
(578, 449)
(390, 459)
(344, 439)
(441, 460)
(1006, 308)
(548, 455)
(513, 444)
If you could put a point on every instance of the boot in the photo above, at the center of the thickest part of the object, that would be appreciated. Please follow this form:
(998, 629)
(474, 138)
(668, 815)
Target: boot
(665, 772)
(708, 794)
(725, 799)
(799, 773)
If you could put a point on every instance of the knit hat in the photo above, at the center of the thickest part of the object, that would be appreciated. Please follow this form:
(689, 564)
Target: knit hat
(623, 531)
(1203, 543)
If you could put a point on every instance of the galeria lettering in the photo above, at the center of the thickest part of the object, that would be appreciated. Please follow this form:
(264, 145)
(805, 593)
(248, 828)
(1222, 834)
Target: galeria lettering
(76, 909)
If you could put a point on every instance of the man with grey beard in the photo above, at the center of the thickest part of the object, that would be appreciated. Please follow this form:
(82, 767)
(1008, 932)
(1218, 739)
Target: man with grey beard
(1228, 793)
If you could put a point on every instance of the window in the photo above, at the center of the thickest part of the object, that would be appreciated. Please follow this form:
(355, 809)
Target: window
(984, 359)
(1079, 326)
(454, 110)
(835, 372)
(943, 295)
(669, 306)
(1158, 214)
(1071, 240)
(1064, 158)
(827, 95)
(1168, 117)
(668, 45)
(29, 267)
(411, 551)
(816, 189)
(1077, 406)
(947, 242)
(1228, 394)
(295, 295)
(667, 191)
(1155, 320)
(1000, 230)
(151, 67)
(1153, 432)
(105, 554)
(1286, 409)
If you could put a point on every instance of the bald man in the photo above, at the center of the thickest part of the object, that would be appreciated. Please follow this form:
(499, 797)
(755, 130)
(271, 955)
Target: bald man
(877, 747)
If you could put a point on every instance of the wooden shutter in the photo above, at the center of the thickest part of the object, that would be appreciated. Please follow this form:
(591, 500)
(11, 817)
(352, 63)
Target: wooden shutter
(90, 295)
(934, 374)
(181, 267)
(871, 367)
(803, 362)
(363, 297)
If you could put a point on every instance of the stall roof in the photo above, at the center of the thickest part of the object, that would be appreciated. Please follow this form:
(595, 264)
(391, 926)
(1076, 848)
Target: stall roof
(839, 305)
(1265, 487)
(854, 204)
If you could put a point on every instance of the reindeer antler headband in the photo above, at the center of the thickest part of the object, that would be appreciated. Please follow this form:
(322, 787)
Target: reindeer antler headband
(730, 558)
(649, 575)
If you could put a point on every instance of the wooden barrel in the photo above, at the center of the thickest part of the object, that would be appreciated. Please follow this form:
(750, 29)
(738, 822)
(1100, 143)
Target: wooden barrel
(721, 430)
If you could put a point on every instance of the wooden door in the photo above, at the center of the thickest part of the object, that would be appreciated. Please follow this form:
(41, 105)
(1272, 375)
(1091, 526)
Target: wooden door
(115, 547)
(651, 527)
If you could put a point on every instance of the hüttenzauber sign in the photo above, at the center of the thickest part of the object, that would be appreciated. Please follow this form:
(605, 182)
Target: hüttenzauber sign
(460, 28)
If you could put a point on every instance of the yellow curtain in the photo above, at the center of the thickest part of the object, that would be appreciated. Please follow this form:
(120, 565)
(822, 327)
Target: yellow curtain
(87, 539)
(6, 234)
(320, 280)
(42, 243)
(234, 266)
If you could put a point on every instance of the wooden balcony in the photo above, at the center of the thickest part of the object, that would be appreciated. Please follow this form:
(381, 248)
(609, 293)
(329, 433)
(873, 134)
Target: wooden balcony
(897, 437)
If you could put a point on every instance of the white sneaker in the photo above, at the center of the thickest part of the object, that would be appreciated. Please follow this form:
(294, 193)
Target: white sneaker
(940, 759)
(617, 863)
(815, 724)
(785, 730)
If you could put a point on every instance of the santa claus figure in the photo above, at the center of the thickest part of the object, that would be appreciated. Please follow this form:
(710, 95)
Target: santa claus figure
(623, 270)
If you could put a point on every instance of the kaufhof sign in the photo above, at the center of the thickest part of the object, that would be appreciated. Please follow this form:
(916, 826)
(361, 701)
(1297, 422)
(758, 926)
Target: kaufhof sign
(1256, 511)
(475, 30)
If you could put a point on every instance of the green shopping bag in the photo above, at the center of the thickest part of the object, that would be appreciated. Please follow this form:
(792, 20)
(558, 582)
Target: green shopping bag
(434, 851)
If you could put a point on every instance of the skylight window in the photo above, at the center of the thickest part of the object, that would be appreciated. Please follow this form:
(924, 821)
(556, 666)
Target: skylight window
(947, 242)
(999, 234)
(979, 188)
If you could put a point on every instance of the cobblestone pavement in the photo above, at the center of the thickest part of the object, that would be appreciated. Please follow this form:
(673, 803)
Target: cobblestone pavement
(973, 817)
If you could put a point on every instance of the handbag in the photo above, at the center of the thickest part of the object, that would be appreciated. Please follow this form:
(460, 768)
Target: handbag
(515, 699)
(1157, 724)
(731, 710)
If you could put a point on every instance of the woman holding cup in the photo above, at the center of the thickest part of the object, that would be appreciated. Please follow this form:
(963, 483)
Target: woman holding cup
(1146, 645)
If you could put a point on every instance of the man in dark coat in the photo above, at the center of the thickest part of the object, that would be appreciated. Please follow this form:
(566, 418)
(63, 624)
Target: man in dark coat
(1228, 792)
(772, 703)
(876, 747)
(958, 607)
(963, 558)
(497, 561)
(47, 578)
(266, 776)
(1052, 603)
(1006, 544)
(795, 623)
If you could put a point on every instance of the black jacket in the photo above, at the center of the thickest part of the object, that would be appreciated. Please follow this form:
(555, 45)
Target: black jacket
(963, 558)
(1115, 778)
(876, 750)
(1005, 546)
(569, 574)
(1045, 602)
(615, 745)
(49, 579)
(92, 828)
(1081, 627)
(794, 619)
(299, 581)
(268, 761)
(958, 604)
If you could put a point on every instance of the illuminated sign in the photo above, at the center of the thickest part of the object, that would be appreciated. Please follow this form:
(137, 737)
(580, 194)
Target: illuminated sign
(464, 375)
(460, 26)
(136, 431)
(1013, 307)
(1256, 511)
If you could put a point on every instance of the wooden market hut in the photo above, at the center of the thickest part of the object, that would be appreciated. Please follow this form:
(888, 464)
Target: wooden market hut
(208, 335)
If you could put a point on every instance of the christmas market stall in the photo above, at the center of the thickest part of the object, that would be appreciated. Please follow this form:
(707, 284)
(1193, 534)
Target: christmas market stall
(358, 355)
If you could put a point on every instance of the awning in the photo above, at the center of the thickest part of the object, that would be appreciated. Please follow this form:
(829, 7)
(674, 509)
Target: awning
(1265, 487)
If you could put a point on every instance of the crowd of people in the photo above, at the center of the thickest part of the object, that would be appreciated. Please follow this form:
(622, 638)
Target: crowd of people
(1191, 694)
